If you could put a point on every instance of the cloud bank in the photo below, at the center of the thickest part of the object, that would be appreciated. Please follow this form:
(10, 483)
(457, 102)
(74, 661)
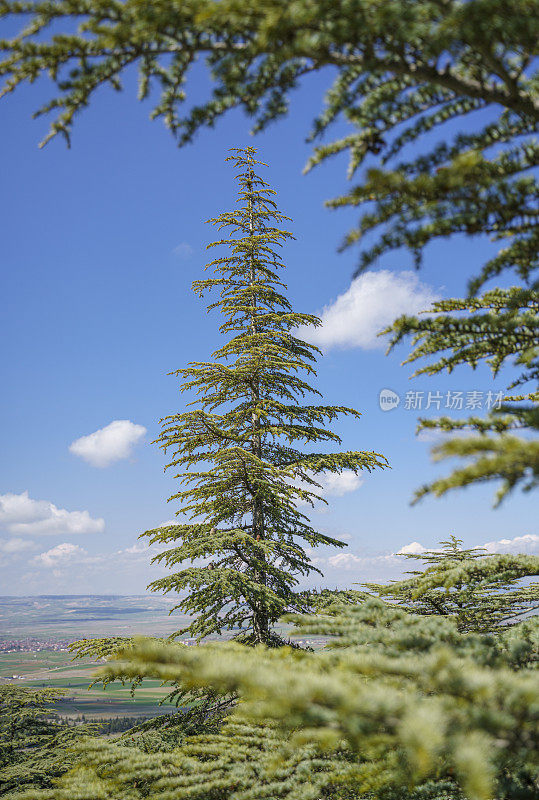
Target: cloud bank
(350, 569)
(371, 303)
(111, 443)
(529, 544)
(20, 514)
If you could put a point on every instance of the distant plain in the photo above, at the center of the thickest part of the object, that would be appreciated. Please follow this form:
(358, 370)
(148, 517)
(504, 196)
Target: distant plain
(53, 620)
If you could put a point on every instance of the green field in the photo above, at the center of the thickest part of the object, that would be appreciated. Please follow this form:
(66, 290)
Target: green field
(55, 619)
(47, 669)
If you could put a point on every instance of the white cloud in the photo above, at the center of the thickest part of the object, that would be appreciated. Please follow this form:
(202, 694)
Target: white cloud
(332, 484)
(391, 565)
(529, 544)
(108, 444)
(414, 548)
(372, 302)
(60, 555)
(337, 484)
(183, 250)
(17, 508)
(344, 561)
(19, 514)
(15, 545)
(135, 549)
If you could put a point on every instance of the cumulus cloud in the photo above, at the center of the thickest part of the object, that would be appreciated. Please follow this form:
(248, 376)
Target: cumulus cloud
(529, 544)
(344, 561)
(332, 484)
(371, 303)
(108, 444)
(71, 564)
(337, 484)
(60, 555)
(412, 549)
(20, 514)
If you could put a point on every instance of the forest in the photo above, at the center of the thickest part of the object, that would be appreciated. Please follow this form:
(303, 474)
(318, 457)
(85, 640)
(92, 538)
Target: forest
(428, 687)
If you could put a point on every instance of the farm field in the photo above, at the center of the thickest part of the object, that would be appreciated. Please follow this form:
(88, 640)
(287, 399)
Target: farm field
(48, 669)
(43, 627)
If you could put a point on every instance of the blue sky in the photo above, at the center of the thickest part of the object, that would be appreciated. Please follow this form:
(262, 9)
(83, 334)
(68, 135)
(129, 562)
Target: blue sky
(99, 247)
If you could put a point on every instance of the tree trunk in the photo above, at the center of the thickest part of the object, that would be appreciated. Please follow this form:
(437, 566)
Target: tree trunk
(260, 618)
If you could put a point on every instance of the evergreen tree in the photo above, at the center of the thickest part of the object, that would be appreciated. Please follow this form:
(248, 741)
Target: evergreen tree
(481, 593)
(34, 745)
(242, 502)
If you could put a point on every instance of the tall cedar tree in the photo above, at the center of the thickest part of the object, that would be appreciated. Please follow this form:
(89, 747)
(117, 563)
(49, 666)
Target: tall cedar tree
(242, 502)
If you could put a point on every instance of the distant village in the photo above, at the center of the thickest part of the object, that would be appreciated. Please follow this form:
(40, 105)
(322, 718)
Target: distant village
(32, 645)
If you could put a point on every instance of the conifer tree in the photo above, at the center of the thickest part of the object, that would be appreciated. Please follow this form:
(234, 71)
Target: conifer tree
(35, 748)
(478, 591)
(237, 448)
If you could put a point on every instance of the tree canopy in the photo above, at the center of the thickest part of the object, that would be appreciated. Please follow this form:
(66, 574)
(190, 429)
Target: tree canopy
(401, 71)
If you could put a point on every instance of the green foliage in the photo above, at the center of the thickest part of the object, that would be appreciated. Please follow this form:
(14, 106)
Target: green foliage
(34, 747)
(321, 599)
(480, 593)
(245, 760)
(245, 533)
(401, 705)
(499, 328)
(401, 71)
(186, 712)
